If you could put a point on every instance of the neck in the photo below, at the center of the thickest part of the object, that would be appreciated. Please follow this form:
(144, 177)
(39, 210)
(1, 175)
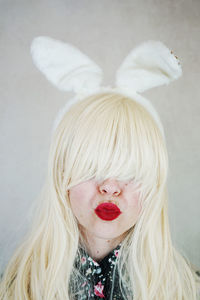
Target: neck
(98, 247)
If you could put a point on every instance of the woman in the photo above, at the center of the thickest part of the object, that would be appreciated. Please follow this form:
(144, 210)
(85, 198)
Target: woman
(101, 229)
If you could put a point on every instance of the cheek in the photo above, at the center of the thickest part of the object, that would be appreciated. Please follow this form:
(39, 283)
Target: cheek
(80, 197)
(76, 205)
(135, 204)
(75, 196)
(75, 201)
(82, 192)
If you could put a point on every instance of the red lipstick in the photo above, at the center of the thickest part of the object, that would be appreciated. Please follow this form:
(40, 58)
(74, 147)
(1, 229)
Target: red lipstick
(107, 211)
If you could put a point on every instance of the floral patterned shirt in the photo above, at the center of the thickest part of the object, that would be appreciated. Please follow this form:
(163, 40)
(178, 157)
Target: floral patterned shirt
(98, 280)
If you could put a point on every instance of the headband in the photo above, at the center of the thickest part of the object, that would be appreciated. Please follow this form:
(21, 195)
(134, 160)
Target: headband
(149, 65)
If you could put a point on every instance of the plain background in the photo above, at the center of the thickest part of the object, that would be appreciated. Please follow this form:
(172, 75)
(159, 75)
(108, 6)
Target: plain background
(105, 30)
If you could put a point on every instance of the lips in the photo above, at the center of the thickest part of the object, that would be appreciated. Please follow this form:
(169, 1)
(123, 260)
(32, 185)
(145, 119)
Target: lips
(107, 211)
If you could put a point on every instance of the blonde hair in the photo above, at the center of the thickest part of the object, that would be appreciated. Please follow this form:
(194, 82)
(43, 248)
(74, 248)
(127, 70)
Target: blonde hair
(104, 135)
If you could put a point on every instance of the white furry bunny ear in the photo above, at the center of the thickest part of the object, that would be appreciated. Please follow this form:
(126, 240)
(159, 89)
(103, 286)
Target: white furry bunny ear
(149, 65)
(65, 66)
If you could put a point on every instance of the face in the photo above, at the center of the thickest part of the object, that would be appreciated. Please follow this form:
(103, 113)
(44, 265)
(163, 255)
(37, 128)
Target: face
(105, 209)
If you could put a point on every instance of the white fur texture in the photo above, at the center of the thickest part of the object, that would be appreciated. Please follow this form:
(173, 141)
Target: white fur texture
(149, 65)
(64, 65)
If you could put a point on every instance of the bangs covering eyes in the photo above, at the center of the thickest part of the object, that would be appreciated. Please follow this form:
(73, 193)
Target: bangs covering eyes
(107, 136)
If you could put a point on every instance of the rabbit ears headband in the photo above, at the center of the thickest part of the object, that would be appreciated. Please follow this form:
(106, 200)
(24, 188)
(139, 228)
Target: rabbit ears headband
(149, 65)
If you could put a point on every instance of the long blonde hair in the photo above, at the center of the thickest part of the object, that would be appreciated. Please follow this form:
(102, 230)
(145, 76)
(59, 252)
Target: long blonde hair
(104, 135)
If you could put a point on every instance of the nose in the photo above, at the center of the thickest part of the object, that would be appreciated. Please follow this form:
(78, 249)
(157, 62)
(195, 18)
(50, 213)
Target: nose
(110, 187)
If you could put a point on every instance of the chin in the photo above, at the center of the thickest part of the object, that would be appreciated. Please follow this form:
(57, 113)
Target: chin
(107, 231)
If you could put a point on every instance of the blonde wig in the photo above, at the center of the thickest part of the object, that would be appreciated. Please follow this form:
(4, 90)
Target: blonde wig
(104, 135)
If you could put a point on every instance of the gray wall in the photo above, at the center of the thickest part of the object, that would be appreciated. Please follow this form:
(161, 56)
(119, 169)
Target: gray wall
(106, 30)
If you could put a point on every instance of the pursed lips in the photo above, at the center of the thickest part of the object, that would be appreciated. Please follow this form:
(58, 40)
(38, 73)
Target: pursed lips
(107, 211)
